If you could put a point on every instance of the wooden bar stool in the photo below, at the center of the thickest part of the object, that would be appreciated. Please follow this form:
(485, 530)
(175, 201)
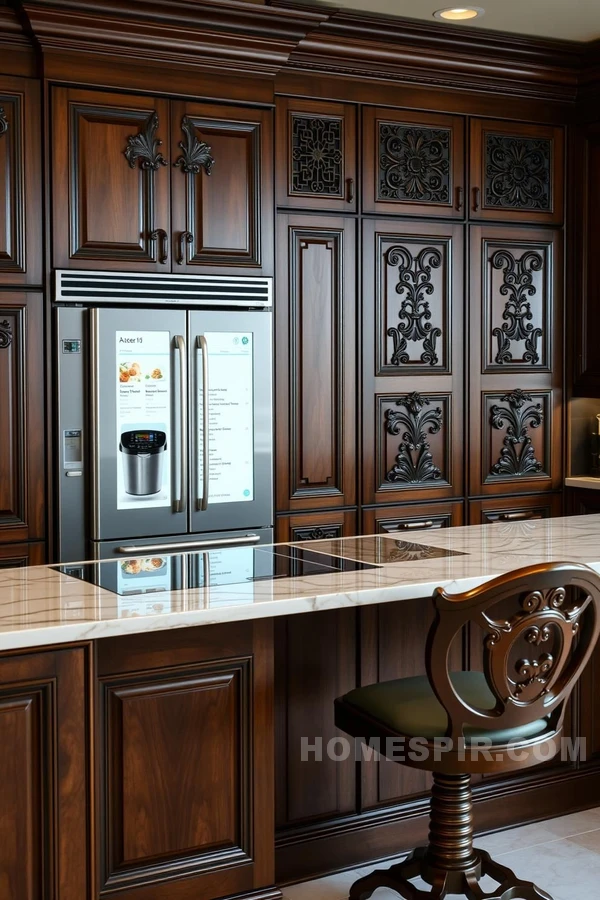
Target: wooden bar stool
(538, 627)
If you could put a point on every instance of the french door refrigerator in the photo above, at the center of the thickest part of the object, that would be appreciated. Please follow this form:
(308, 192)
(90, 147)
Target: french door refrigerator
(164, 414)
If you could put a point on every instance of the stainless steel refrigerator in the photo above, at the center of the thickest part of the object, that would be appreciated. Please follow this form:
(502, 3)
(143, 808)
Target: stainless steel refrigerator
(164, 412)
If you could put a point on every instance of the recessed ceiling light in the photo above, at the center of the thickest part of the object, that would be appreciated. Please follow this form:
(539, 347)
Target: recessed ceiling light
(459, 13)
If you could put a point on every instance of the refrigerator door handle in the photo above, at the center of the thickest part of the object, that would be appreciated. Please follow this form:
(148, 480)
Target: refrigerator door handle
(202, 503)
(180, 504)
(244, 540)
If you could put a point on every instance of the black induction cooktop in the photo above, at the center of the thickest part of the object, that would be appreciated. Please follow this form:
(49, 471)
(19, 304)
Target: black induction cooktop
(230, 565)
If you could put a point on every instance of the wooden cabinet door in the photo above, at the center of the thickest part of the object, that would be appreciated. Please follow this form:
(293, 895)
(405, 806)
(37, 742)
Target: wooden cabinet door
(110, 181)
(504, 510)
(315, 526)
(22, 417)
(185, 786)
(414, 163)
(411, 517)
(516, 172)
(515, 360)
(315, 363)
(316, 155)
(44, 831)
(222, 189)
(19, 555)
(20, 182)
(587, 285)
(412, 345)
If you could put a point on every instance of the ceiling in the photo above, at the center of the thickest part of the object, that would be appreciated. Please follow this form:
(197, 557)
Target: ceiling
(576, 20)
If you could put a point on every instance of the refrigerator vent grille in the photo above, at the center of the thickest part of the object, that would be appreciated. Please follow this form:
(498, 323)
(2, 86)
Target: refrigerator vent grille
(112, 288)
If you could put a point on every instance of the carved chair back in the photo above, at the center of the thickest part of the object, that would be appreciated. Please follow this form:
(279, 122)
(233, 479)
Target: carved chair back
(538, 626)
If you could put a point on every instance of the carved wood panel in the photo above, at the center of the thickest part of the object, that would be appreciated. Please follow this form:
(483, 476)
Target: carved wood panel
(20, 182)
(516, 171)
(412, 361)
(516, 360)
(315, 526)
(22, 418)
(316, 154)
(43, 827)
(315, 364)
(111, 176)
(413, 163)
(221, 189)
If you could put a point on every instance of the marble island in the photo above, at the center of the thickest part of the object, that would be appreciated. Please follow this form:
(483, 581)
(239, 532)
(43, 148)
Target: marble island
(42, 605)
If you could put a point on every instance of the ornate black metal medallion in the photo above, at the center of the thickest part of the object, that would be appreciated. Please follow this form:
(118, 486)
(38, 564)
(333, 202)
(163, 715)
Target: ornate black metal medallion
(317, 156)
(144, 146)
(317, 533)
(6, 335)
(196, 154)
(517, 456)
(414, 163)
(518, 172)
(518, 287)
(414, 462)
(414, 285)
(3, 122)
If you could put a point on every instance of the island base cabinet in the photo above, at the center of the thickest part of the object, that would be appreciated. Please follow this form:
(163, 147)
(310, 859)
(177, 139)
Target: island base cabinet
(43, 789)
(184, 779)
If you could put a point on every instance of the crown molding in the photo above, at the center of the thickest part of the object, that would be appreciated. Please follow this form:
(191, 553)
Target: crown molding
(223, 35)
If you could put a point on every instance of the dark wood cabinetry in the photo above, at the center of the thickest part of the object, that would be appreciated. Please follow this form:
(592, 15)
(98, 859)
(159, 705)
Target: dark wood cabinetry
(414, 163)
(412, 361)
(315, 526)
(315, 364)
(142, 183)
(411, 517)
(514, 509)
(21, 253)
(316, 155)
(516, 172)
(17, 555)
(515, 360)
(22, 417)
(44, 828)
(587, 312)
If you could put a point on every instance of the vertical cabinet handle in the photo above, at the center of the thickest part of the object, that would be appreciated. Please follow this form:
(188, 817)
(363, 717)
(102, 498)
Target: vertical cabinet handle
(201, 344)
(160, 235)
(459, 198)
(350, 190)
(186, 237)
(180, 504)
(476, 194)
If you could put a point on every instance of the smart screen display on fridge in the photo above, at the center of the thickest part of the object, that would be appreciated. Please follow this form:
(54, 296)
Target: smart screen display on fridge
(143, 385)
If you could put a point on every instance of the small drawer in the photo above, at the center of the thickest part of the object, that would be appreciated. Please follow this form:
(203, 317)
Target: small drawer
(317, 526)
(514, 509)
(404, 519)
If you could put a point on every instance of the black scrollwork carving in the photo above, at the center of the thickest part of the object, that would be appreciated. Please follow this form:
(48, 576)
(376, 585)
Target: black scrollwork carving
(414, 284)
(517, 456)
(414, 163)
(317, 156)
(518, 172)
(144, 146)
(6, 335)
(517, 315)
(3, 122)
(317, 533)
(196, 154)
(414, 462)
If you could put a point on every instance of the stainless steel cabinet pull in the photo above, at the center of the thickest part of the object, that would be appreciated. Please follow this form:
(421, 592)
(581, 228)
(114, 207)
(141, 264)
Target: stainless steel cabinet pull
(404, 525)
(159, 234)
(201, 344)
(476, 193)
(518, 516)
(459, 198)
(180, 504)
(350, 190)
(245, 539)
(186, 237)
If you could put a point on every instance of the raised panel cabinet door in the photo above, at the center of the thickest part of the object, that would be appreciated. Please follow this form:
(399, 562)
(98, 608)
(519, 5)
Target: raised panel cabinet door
(315, 363)
(221, 177)
(515, 357)
(410, 519)
(185, 789)
(22, 417)
(507, 510)
(315, 156)
(110, 181)
(20, 182)
(44, 828)
(412, 361)
(414, 163)
(316, 526)
(516, 172)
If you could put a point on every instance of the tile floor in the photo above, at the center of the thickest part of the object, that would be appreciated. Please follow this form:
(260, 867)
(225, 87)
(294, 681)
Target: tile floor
(562, 856)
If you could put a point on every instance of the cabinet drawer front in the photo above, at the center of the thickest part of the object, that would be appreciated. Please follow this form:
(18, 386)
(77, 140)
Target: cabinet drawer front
(110, 181)
(516, 172)
(514, 509)
(410, 518)
(325, 526)
(316, 155)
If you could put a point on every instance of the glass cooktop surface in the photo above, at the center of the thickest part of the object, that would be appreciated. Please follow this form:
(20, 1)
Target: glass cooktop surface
(209, 568)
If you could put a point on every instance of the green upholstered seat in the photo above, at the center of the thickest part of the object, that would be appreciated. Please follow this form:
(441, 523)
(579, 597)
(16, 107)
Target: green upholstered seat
(409, 707)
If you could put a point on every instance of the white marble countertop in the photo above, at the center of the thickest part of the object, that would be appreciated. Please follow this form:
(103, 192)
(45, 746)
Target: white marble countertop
(40, 606)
